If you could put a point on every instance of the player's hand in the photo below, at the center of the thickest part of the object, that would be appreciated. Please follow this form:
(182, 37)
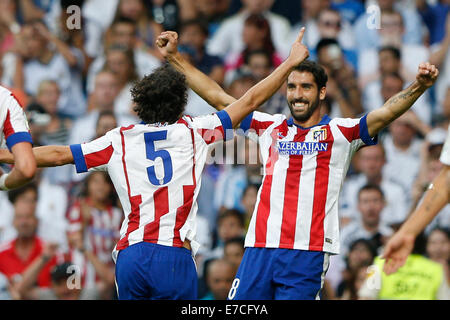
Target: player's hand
(397, 250)
(299, 52)
(167, 43)
(427, 74)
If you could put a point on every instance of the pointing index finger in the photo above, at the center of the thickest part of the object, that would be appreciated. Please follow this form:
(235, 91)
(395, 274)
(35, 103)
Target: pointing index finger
(300, 34)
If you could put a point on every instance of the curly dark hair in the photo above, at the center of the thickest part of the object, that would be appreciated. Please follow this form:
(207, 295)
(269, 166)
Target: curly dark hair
(160, 96)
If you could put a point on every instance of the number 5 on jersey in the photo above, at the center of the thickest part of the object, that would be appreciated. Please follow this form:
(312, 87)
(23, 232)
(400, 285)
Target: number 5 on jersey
(153, 154)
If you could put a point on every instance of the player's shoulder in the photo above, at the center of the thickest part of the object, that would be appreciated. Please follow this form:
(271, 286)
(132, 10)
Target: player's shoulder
(346, 122)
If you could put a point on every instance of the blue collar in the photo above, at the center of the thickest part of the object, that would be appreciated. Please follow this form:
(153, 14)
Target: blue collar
(325, 120)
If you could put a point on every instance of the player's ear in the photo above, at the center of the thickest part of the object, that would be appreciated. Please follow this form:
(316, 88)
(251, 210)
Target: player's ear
(322, 93)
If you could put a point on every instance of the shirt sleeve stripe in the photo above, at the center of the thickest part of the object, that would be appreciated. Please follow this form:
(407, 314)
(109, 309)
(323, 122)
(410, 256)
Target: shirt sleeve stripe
(78, 157)
(18, 137)
(246, 123)
(364, 132)
(226, 124)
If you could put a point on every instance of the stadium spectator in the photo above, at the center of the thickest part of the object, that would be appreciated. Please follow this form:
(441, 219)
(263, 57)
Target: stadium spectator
(354, 283)
(64, 283)
(94, 273)
(9, 24)
(389, 62)
(402, 149)
(94, 224)
(194, 34)
(438, 248)
(219, 277)
(440, 55)
(230, 224)
(350, 10)
(213, 12)
(225, 41)
(45, 57)
(18, 254)
(371, 162)
(57, 129)
(5, 288)
(248, 200)
(171, 13)
(434, 16)
(233, 250)
(102, 98)
(391, 33)
(256, 35)
(368, 34)
(371, 202)
(330, 25)
(50, 211)
(147, 28)
(360, 255)
(123, 34)
(419, 279)
(259, 65)
(342, 86)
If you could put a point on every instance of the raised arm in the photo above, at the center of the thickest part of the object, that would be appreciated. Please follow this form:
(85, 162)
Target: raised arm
(214, 94)
(46, 156)
(264, 89)
(204, 86)
(402, 101)
(400, 246)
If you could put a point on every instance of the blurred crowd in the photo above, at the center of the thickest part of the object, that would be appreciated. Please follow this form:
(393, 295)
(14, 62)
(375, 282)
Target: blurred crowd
(71, 65)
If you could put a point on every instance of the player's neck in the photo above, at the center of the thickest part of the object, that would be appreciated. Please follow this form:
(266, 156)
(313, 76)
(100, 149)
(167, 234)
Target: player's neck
(312, 121)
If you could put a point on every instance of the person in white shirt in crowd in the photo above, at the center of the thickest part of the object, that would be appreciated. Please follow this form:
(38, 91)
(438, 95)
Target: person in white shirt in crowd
(368, 226)
(37, 60)
(102, 98)
(371, 201)
(391, 33)
(371, 161)
(226, 39)
(403, 147)
(367, 32)
(50, 210)
(124, 31)
(328, 24)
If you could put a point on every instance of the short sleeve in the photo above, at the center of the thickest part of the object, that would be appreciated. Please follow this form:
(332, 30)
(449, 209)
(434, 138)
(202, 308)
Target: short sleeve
(445, 153)
(15, 126)
(354, 129)
(214, 127)
(94, 155)
(256, 123)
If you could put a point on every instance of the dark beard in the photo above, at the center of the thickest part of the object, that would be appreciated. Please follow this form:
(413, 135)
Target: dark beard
(304, 117)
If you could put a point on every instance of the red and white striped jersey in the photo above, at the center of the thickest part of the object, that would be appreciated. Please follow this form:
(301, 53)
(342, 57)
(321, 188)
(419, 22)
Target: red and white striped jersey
(156, 171)
(304, 169)
(13, 121)
(101, 231)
